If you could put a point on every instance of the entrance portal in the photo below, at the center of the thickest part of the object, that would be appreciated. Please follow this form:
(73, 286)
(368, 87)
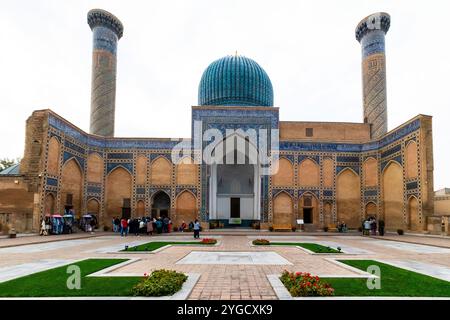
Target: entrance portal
(235, 206)
(307, 215)
(160, 205)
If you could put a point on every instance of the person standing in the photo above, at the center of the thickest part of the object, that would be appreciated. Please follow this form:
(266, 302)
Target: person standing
(366, 227)
(150, 227)
(159, 225)
(196, 229)
(381, 227)
(117, 224)
(373, 227)
(123, 227)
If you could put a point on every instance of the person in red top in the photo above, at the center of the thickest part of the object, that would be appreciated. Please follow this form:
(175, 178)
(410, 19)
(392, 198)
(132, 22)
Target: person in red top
(123, 227)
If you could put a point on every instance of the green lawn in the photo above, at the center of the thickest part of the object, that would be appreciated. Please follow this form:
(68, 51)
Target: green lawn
(151, 246)
(314, 247)
(394, 282)
(52, 283)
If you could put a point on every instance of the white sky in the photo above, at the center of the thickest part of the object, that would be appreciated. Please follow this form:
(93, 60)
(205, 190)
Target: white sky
(308, 49)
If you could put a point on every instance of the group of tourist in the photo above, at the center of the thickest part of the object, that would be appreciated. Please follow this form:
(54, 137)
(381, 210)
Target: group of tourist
(149, 225)
(370, 226)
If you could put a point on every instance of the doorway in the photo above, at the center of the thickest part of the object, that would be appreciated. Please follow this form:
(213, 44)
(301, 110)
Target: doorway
(160, 205)
(308, 215)
(235, 207)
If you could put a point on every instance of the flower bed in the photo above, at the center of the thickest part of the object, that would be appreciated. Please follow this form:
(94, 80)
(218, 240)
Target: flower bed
(302, 284)
(261, 242)
(208, 241)
(160, 283)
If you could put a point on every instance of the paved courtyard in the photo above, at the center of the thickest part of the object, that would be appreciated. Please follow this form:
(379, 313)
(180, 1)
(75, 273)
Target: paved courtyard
(233, 269)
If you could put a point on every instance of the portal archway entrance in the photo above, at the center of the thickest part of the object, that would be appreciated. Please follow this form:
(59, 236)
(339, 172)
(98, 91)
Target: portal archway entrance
(234, 183)
(160, 205)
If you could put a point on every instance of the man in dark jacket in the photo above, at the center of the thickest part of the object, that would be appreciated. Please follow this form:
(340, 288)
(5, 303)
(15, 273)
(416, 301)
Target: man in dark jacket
(381, 227)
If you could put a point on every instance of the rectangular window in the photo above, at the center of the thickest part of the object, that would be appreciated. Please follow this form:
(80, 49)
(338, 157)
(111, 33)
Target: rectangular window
(309, 132)
(307, 201)
(69, 199)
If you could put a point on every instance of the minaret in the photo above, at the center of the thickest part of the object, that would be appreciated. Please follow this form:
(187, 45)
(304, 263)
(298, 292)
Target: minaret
(370, 33)
(106, 30)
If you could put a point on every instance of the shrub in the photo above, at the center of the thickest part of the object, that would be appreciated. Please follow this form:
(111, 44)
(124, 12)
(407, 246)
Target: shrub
(261, 242)
(256, 226)
(400, 232)
(302, 284)
(208, 241)
(160, 283)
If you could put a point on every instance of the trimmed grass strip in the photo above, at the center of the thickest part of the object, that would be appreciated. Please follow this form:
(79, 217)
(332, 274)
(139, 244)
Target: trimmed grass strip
(395, 282)
(151, 246)
(53, 282)
(314, 247)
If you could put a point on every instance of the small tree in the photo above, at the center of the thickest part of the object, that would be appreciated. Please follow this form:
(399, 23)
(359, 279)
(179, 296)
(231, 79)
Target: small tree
(5, 163)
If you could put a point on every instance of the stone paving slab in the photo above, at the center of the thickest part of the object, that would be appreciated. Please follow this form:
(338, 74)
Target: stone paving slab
(48, 246)
(234, 258)
(418, 248)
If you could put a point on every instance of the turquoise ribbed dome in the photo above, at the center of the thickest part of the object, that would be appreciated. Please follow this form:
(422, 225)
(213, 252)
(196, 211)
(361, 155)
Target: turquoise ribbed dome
(235, 81)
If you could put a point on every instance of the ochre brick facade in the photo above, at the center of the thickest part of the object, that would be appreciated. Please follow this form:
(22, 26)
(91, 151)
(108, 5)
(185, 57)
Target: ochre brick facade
(393, 183)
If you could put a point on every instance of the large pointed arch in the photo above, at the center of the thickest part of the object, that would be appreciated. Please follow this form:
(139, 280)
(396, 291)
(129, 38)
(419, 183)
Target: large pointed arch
(413, 214)
(328, 172)
(370, 172)
(160, 204)
(308, 206)
(348, 198)
(393, 196)
(49, 204)
(411, 163)
(141, 169)
(283, 210)
(161, 171)
(186, 171)
(308, 173)
(118, 188)
(185, 208)
(71, 186)
(53, 156)
(285, 174)
(95, 168)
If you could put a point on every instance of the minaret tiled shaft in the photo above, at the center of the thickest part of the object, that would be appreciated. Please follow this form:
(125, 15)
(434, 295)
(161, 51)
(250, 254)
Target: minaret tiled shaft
(370, 32)
(106, 30)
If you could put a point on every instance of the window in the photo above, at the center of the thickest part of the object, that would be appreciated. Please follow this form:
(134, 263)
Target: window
(307, 201)
(126, 203)
(69, 199)
(309, 132)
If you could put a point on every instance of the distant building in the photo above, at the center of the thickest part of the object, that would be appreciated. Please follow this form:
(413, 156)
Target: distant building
(328, 172)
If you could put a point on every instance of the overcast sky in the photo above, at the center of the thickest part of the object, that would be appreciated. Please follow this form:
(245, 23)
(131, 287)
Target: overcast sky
(308, 49)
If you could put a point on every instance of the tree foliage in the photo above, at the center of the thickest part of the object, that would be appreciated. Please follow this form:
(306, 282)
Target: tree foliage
(5, 163)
